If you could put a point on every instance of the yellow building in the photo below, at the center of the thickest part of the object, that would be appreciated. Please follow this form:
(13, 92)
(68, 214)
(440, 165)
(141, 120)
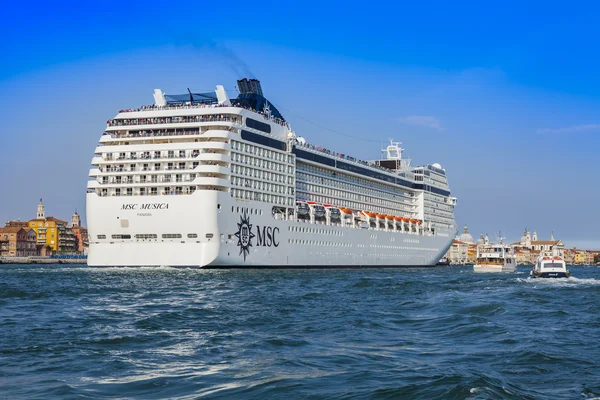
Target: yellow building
(48, 230)
(580, 257)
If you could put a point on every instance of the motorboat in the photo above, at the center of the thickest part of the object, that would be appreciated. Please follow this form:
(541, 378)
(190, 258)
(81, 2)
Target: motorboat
(493, 257)
(549, 265)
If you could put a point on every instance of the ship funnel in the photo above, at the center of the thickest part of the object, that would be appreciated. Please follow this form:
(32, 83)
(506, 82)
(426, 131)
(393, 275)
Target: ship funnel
(249, 86)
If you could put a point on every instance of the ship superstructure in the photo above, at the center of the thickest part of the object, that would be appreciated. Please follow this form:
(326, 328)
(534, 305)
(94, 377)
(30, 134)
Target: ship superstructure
(204, 180)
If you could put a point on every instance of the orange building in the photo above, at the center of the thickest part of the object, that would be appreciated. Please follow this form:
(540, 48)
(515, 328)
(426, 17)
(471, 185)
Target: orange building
(81, 234)
(17, 242)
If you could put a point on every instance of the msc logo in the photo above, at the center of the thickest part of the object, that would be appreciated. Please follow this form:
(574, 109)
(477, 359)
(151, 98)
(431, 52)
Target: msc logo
(267, 236)
(244, 235)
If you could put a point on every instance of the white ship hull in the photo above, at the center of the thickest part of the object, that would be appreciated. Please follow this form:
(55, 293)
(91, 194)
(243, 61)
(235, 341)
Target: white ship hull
(494, 268)
(229, 233)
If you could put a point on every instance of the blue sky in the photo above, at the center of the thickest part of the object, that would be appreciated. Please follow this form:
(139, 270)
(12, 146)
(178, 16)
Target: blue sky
(505, 96)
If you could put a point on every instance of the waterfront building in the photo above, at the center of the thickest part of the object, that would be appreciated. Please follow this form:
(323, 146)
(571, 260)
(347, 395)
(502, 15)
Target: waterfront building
(17, 242)
(569, 256)
(49, 231)
(580, 257)
(80, 233)
(458, 252)
(529, 248)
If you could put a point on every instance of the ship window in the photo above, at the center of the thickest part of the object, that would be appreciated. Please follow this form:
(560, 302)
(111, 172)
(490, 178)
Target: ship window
(192, 235)
(101, 236)
(171, 235)
(146, 236)
(121, 236)
(209, 235)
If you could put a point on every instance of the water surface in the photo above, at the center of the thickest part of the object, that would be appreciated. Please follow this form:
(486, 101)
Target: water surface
(79, 332)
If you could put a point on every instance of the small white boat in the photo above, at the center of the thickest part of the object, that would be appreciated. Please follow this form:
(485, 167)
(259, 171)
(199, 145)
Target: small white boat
(495, 258)
(549, 265)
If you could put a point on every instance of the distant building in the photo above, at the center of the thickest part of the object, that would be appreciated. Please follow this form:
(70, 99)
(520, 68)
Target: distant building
(52, 231)
(466, 237)
(17, 242)
(81, 234)
(458, 252)
(528, 249)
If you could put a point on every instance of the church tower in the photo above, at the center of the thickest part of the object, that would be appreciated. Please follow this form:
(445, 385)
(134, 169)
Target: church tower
(41, 211)
(535, 238)
(75, 220)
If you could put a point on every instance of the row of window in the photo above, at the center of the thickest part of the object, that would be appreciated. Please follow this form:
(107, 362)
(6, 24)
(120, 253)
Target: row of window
(266, 197)
(340, 181)
(262, 185)
(262, 152)
(149, 236)
(131, 179)
(316, 231)
(153, 191)
(360, 184)
(236, 119)
(149, 167)
(319, 243)
(246, 210)
(260, 174)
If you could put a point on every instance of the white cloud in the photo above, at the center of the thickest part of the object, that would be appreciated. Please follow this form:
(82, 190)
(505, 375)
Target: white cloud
(423, 121)
(572, 129)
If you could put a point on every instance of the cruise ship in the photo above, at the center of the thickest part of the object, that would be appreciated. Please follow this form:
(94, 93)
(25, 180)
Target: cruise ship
(205, 180)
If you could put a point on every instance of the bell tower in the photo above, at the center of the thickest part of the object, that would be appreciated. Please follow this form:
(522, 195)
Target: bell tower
(41, 211)
(75, 220)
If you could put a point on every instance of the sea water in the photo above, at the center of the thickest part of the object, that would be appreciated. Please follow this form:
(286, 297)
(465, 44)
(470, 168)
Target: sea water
(78, 332)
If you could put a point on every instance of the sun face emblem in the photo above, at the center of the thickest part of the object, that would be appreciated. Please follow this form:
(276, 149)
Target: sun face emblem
(244, 235)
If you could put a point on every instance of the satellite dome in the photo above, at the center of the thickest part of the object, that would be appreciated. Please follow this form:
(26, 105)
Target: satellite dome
(466, 236)
(436, 165)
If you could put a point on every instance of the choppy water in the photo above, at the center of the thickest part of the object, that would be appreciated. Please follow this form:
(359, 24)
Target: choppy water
(78, 332)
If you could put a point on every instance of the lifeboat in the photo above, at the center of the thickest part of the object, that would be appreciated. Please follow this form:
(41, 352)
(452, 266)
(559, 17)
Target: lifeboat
(302, 209)
(398, 219)
(345, 210)
(419, 222)
(369, 214)
(412, 221)
(389, 217)
(334, 213)
(319, 211)
(381, 216)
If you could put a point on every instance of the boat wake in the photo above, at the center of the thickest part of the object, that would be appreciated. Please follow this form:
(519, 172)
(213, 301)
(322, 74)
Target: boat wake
(565, 282)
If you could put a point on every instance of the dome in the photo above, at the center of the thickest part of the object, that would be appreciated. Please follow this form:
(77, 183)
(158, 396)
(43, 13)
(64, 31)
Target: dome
(436, 165)
(481, 240)
(466, 236)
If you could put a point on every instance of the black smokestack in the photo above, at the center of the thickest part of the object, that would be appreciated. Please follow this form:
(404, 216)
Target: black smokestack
(249, 86)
